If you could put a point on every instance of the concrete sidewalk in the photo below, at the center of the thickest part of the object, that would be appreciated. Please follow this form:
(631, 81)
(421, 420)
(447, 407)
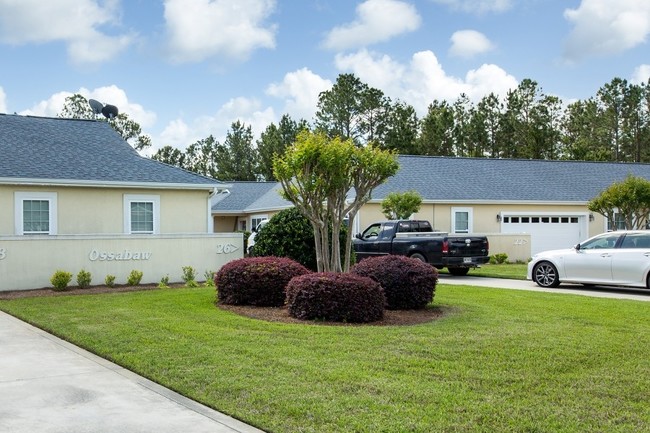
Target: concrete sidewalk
(48, 385)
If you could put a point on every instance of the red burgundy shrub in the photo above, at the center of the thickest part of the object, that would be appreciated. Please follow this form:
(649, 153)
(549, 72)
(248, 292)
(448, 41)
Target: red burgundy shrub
(408, 283)
(337, 297)
(259, 281)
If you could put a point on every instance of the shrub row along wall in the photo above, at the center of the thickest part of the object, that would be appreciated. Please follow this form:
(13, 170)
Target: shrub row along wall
(28, 262)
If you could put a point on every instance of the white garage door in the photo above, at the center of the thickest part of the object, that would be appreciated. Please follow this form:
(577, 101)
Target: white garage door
(547, 232)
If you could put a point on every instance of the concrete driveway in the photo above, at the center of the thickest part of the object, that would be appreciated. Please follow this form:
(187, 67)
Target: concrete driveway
(50, 386)
(574, 289)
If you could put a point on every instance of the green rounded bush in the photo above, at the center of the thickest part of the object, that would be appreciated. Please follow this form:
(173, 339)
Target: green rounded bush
(337, 297)
(408, 283)
(290, 234)
(84, 279)
(134, 278)
(60, 280)
(259, 281)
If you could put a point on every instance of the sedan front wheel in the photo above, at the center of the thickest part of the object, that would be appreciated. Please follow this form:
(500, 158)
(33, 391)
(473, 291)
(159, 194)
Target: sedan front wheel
(545, 275)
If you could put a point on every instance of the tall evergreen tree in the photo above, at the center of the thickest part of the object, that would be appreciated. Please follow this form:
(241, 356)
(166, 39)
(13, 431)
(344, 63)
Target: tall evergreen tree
(274, 141)
(436, 130)
(236, 158)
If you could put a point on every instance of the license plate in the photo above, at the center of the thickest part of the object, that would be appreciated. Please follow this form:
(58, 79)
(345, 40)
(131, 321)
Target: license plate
(467, 260)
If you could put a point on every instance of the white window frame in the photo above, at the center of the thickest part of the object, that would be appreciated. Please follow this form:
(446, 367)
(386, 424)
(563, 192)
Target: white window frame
(20, 197)
(470, 218)
(609, 223)
(134, 198)
(259, 217)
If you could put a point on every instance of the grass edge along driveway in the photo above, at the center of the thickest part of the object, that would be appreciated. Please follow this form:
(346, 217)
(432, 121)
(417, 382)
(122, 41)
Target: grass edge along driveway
(499, 360)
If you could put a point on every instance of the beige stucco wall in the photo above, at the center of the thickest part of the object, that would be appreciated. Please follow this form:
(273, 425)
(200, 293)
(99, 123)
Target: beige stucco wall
(28, 262)
(485, 215)
(229, 223)
(517, 246)
(101, 210)
(225, 223)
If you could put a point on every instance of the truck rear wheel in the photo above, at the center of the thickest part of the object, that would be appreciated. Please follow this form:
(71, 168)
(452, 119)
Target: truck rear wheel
(458, 272)
(418, 256)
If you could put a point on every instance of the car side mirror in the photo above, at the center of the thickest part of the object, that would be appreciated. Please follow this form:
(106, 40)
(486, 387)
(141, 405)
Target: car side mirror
(358, 236)
(577, 247)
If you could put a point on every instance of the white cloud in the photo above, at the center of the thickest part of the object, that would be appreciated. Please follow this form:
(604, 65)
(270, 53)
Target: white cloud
(199, 29)
(377, 21)
(113, 95)
(376, 70)
(424, 79)
(604, 27)
(180, 135)
(469, 43)
(478, 6)
(641, 74)
(300, 90)
(3, 101)
(75, 22)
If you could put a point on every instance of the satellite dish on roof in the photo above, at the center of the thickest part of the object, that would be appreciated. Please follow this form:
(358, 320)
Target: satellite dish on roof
(96, 106)
(109, 111)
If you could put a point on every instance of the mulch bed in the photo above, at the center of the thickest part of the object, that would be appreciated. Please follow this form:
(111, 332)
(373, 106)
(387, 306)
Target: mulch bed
(269, 314)
(391, 317)
(77, 291)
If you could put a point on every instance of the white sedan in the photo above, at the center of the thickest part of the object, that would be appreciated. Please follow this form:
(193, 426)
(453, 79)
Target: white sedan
(619, 258)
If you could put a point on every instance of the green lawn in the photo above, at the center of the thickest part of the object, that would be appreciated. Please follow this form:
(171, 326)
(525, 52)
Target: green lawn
(515, 271)
(499, 361)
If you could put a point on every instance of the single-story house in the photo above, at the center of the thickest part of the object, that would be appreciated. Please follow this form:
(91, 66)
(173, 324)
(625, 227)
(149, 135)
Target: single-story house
(524, 206)
(74, 195)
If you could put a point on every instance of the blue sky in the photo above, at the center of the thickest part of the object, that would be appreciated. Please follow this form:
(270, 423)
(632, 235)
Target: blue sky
(185, 69)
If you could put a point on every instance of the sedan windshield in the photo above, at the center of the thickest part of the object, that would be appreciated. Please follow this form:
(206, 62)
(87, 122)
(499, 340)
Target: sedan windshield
(605, 241)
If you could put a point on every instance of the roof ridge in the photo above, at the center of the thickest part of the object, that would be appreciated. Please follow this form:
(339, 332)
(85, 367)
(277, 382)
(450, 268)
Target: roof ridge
(33, 116)
(475, 158)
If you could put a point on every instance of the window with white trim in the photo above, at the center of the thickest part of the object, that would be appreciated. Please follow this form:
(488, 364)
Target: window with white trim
(141, 214)
(257, 219)
(461, 219)
(35, 213)
(617, 224)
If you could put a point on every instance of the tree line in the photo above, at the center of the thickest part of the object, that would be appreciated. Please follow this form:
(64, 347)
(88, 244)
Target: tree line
(613, 125)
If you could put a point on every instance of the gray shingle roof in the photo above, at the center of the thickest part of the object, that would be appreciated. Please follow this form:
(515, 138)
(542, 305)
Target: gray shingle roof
(475, 180)
(442, 179)
(80, 151)
(248, 197)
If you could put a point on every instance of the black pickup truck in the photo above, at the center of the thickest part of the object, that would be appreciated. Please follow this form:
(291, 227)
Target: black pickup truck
(458, 253)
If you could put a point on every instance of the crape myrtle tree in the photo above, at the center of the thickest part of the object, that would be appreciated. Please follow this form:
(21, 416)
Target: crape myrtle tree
(629, 198)
(316, 173)
(77, 107)
(401, 205)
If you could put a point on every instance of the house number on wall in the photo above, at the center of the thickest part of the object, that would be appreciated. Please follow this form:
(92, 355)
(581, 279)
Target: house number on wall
(226, 249)
(3, 253)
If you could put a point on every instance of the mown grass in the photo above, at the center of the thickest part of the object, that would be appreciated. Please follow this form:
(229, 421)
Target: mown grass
(516, 271)
(498, 361)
